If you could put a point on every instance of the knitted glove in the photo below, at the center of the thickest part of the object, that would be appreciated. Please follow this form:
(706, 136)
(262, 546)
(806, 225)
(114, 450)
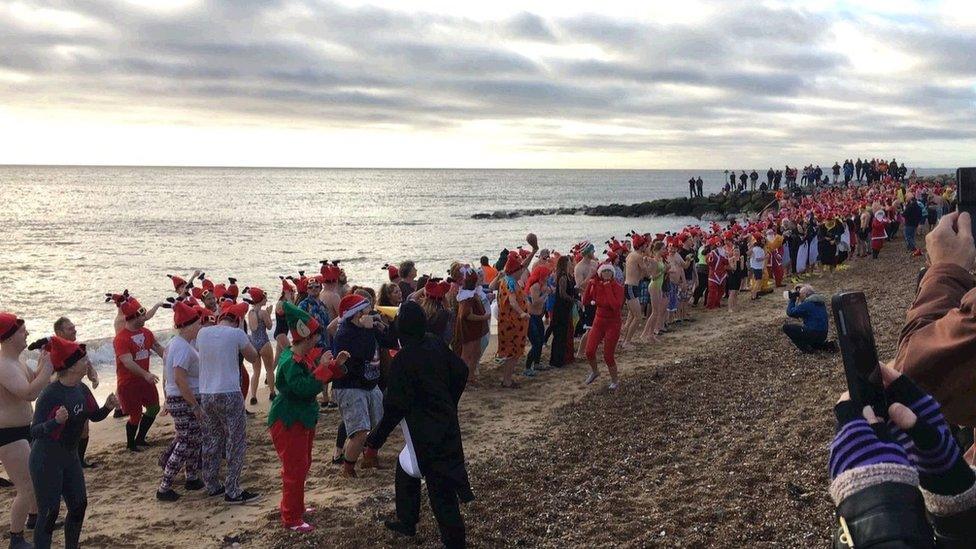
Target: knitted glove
(859, 444)
(929, 443)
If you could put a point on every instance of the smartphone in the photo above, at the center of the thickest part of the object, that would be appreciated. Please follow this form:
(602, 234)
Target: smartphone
(966, 192)
(856, 338)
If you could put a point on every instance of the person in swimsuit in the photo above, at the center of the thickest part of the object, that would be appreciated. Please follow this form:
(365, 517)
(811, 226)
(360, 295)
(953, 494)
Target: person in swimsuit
(633, 272)
(538, 291)
(657, 272)
(62, 410)
(259, 319)
(472, 323)
(19, 386)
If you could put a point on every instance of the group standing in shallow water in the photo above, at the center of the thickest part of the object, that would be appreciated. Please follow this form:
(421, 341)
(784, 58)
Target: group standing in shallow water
(360, 352)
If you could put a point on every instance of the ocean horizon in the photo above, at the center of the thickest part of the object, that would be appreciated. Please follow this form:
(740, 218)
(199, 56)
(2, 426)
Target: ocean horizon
(77, 232)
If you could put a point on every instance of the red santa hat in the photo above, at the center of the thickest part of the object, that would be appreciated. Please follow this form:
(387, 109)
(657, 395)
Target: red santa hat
(184, 314)
(638, 240)
(539, 274)
(513, 264)
(64, 353)
(131, 309)
(286, 285)
(207, 317)
(207, 284)
(219, 290)
(9, 324)
(392, 271)
(329, 273)
(301, 283)
(177, 282)
(257, 295)
(232, 291)
(197, 293)
(235, 311)
(607, 266)
(437, 288)
(352, 304)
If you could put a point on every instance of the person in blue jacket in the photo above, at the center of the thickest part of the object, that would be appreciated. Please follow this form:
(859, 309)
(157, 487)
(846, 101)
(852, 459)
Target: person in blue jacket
(810, 307)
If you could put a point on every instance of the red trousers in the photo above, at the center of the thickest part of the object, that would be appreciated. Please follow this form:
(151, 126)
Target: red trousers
(715, 294)
(294, 447)
(606, 330)
(778, 275)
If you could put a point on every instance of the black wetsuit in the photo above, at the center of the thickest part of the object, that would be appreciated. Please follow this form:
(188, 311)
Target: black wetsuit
(54, 465)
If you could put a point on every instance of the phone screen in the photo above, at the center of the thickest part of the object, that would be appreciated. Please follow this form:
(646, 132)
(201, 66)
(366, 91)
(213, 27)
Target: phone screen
(966, 185)
(856, 338)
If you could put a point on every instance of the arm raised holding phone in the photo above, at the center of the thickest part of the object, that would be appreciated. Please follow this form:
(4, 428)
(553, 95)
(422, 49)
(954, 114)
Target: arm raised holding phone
(937, 345)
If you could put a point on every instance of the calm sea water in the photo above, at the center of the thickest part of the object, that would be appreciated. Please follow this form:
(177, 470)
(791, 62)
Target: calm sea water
(70, 234)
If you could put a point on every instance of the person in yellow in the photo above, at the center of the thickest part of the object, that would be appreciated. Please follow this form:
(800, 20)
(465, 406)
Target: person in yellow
(773, 273)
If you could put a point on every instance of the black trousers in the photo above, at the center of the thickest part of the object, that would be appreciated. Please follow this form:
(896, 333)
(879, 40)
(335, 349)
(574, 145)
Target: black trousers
(701, 290)
(562, 316)
(56, 473)
(805, 340)
(443, 502)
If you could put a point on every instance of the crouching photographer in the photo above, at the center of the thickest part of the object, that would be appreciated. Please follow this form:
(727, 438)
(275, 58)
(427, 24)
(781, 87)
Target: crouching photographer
(810, 307)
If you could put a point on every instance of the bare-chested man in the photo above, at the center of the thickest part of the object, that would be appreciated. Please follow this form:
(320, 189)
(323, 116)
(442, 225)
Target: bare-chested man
(19, 386)
(583, 272)
(634, 270)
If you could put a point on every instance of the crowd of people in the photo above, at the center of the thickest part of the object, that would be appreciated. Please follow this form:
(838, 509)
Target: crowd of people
(404, 351)
(870, 171)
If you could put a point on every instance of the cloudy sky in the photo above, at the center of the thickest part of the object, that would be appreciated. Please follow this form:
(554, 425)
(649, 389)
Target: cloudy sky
(442, 83)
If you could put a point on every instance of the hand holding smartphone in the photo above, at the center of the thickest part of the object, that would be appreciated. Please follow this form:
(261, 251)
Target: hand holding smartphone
(856, 338)
(966, 192)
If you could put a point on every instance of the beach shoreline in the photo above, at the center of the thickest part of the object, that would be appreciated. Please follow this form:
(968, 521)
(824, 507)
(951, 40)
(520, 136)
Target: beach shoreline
(499, 427)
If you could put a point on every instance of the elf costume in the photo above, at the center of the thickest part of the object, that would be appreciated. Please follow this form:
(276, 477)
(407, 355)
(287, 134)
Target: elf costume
(294, 413)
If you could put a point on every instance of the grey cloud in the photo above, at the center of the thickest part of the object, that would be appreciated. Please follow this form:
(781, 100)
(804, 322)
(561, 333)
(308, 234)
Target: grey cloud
(328, 64)
(530, 26)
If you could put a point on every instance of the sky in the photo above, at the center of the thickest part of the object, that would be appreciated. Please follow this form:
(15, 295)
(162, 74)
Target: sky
(438, 83)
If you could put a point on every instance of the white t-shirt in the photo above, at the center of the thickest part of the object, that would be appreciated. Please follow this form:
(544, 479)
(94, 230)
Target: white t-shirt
(757, 258)
(219, 370)
(181, 354)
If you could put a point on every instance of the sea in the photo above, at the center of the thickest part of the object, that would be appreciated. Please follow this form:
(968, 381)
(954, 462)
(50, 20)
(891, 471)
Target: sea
(73, 233)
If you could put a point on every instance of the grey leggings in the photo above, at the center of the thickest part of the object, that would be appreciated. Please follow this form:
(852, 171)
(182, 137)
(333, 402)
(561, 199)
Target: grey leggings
(56, 472)
(224, 435)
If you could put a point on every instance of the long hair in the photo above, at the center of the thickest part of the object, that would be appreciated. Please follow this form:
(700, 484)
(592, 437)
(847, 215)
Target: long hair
(562, 265)
(384, 297)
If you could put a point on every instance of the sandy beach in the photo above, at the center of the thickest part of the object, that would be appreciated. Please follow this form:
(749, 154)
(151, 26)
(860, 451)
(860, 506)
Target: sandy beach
(716, 437)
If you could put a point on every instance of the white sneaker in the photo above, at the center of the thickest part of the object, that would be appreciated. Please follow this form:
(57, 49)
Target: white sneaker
(612, 386)
(591, 378)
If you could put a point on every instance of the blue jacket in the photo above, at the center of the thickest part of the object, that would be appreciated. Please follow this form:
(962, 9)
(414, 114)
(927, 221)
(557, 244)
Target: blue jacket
(813, 312)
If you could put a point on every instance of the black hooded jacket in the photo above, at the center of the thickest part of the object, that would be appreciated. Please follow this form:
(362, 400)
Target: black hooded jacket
(425, 385)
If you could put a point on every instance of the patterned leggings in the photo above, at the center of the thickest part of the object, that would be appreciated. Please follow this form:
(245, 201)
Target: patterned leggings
(225, 434)
(185, 449)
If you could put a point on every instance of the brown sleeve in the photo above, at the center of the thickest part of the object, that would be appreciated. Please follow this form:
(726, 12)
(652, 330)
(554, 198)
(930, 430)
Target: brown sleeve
(937, 345)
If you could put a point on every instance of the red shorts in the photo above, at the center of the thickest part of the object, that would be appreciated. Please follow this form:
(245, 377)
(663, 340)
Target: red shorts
(136, 395)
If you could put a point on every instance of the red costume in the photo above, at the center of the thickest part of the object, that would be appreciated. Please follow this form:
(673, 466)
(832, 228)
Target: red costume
(718, 267)
(609, 298)
(878, 233)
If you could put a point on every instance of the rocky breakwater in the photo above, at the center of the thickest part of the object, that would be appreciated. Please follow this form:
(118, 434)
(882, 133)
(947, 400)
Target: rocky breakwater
(716, 206)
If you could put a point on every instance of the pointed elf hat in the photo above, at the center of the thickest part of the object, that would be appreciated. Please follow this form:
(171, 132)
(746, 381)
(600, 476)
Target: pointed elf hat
(300, 324)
